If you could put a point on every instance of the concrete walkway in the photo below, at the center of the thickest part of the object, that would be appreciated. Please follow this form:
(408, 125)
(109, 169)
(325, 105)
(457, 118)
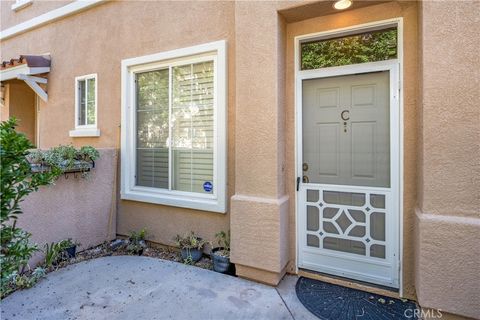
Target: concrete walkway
(129, 287)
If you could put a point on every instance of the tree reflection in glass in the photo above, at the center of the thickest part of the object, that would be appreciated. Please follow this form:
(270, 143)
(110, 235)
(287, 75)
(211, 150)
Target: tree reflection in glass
(152, 128)
(192, 127)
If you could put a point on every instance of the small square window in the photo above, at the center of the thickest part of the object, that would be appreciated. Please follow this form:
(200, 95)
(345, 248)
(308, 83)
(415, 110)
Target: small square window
(85, 107)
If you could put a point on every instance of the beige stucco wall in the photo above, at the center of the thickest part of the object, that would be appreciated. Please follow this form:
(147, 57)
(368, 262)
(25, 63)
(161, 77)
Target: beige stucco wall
(174, 27)
(450, 114)
(10, 18)
(95, 41)
(21, 105)
(259, 213)
(448, 215)
(408, 11)
(77, 208)
(442, 166)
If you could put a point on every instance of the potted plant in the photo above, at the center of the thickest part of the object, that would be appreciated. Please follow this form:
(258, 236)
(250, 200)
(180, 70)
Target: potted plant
(221, 254)
(66, 159)
(55, 252)
(69, 247)
(136, 242)
(191, 246)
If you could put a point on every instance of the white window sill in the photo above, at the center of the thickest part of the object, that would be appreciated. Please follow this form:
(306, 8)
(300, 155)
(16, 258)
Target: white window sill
(212, 205)
(21, 4)
(80, 133)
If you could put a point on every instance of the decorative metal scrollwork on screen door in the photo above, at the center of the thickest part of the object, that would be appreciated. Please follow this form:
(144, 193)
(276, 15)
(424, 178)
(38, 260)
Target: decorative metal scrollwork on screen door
(349, 222)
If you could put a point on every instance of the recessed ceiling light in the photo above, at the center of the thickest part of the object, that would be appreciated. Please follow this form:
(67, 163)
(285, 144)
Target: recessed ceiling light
(342, 4)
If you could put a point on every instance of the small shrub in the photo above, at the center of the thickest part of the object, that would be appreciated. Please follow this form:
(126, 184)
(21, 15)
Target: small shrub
(55, 252)
(223, 241)
(189, 241)
(17, 181)
(189, 260)
(18, 281)
(136, 241)
(52, 254)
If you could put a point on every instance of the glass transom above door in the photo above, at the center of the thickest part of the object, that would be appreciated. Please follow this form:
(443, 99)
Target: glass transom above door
(346, 131)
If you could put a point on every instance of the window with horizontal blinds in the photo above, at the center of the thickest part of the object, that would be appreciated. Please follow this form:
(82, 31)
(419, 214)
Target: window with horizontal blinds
(183, 150)
(192, 126)
(152, 128)
(174, 128)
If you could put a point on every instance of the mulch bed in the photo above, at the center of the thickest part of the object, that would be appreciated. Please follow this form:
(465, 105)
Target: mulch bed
(105, 250)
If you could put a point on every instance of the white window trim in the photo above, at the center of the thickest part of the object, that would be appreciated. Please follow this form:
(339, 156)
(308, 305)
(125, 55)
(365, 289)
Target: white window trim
(87, 130)
(84, 133)
(215, 202)
(20, 4)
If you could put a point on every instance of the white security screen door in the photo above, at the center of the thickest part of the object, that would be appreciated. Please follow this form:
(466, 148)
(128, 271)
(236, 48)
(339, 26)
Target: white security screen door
(348, 168)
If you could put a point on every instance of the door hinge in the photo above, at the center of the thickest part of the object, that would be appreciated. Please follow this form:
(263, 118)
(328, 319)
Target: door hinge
(298, 183)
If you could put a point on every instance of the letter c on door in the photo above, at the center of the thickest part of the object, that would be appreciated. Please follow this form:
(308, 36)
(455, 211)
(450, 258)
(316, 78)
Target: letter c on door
(345, 115)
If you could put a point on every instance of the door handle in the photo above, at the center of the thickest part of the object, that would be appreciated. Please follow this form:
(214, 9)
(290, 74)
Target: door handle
(298, 183)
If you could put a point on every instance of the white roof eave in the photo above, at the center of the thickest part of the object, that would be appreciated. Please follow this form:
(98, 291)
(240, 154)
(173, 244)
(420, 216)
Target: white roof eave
(25, 73)
(23, 69)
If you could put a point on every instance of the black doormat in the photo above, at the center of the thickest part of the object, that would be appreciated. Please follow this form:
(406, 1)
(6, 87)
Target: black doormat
(332, 302)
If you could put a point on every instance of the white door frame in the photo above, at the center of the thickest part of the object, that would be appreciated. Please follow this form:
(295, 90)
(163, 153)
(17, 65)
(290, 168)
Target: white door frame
(394, 67)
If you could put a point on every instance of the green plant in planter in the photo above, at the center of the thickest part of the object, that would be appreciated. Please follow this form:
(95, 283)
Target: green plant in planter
(35, 156)
(88, 153)
(190, 241)
(191, 247)
(52, 253)
(223, 241)
(221, 254)
(17, 181)
(69, 247)
(136, 242)
(64, 158)
(67, 243)
(57, 251)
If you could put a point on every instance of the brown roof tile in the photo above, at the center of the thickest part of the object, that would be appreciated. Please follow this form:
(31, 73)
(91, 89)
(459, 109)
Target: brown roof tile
(30, 60)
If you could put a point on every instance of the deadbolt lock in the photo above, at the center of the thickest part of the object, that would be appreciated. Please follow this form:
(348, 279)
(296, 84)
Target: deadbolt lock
(305, 166)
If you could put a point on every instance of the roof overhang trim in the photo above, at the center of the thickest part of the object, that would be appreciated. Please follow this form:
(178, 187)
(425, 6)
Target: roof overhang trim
(24, 69)
(27, 70)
